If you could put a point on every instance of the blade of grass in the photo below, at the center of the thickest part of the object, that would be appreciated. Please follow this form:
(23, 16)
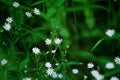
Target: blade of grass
(99, 41)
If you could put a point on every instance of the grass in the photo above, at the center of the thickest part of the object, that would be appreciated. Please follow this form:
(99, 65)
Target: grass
(80, 24)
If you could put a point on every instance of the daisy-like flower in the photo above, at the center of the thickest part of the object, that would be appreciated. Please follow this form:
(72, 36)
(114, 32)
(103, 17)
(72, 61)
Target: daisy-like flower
(117, 60)
(28, 14)
(48, 41)
(9, 19)
(90, 65)
(53, 51)
(36, 50)
(97, 75)
(16, 4)
(110, 32)
(114, 78)
(50, 71)
(27, 79)
(48, 65)
(75, 71)
(109, 65)
(7, 27)
(36, 11)
(58, 41)
(3, 61)
(60, 76)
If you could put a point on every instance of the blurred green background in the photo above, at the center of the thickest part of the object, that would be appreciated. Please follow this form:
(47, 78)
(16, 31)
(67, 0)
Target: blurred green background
(80, 23)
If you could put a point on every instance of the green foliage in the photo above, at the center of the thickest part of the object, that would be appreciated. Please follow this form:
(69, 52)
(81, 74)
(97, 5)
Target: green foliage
(81, 27)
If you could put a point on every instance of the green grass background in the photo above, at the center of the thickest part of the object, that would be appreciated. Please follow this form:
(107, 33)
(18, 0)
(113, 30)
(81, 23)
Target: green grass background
(80, 23)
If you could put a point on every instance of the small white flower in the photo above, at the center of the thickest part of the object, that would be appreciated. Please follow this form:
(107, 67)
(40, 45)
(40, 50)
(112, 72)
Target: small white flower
(48, 41)
(28, 14)
(53, 51)
(54, 75)
(110, 32)
(58, 41)
(109, 65)
(9, 19)
(36, 11)
(36, 50)
(117, 60)
(114, 78)
(60, 76)
(27, 79)
(75, 71)
(3, 61)
(50, 71)
(48, 65)
(90, 65)
(97, 75)
(7, 26)
(16, 4)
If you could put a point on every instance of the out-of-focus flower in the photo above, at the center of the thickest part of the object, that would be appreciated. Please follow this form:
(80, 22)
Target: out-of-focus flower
(16, 4)
(110, 32)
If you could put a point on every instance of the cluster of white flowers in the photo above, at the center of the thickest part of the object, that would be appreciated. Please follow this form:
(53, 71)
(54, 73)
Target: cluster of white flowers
(16, 4)
(57, 41)
(90, 65)
(36, 11)
(27, 78)
(110, 32)
(7, 25)
(117, 60)
(36, 50)
(50, 71)
(3, 61)
(97, 75)
(75, 71)
(109, 65)
(114, 78)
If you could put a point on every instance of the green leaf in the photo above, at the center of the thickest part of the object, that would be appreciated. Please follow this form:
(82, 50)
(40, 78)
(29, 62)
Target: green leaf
(58, 3)
(97, 44)
(50, 12)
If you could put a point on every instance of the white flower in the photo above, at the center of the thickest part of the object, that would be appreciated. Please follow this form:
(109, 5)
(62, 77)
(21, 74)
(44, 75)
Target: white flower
(58, 41)
(50, 71)
(36, 11)
(60, 76)
(109, 65)
(28, 14)
(117, 60)
(27, 79)
(7, 26)
(16, 4)
(36, 50)
(114, 78)
(53, 51)
(9, 19)
(48, 65)
(96, 75)
(110, 32)
(75, 71)
(48, 41)
(54, 75)
(3, 61)
(90, 65)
